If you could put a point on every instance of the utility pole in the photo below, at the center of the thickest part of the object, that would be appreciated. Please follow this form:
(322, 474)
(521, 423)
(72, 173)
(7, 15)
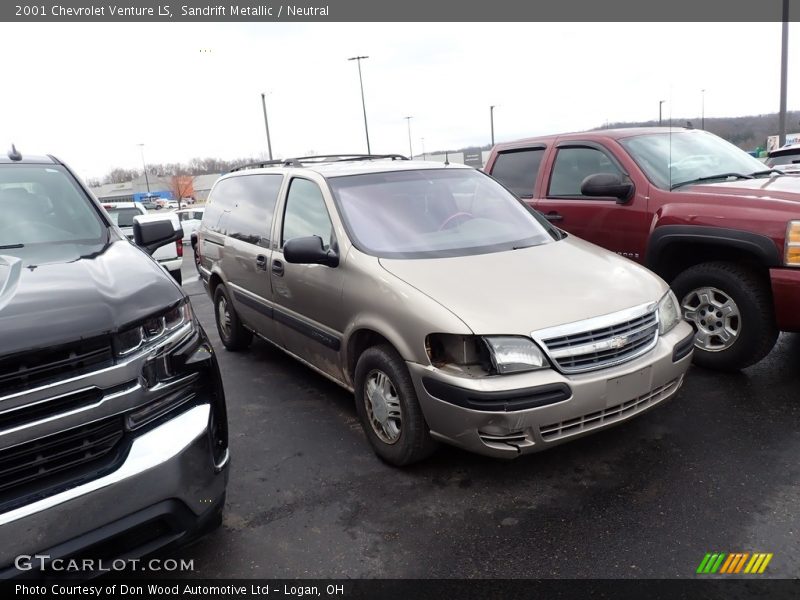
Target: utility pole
(424, 156)
(266, 123)
(144, 167)
(410, 152)
(363, 104)
(703, 109)
(784, 62)
(660, 102)
(491, 121)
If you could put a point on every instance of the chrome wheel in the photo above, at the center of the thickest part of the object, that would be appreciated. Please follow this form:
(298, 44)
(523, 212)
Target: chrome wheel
(716, 318)
(224, 317)
(383, 406)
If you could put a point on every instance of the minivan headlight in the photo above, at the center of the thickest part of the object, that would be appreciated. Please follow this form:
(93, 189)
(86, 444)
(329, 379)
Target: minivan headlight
(669, 313)
(153, 330)
(791, 254)
(484, 355)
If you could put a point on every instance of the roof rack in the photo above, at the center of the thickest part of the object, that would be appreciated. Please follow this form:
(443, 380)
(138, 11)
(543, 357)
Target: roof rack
(322, 158)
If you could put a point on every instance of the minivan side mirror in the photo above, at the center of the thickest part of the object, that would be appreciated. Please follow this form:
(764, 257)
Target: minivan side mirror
(309, 251)
(607, 185)
(151, 235)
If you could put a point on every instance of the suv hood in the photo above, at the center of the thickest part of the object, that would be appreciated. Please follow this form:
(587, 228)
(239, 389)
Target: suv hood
(521, 291)
(52, 302)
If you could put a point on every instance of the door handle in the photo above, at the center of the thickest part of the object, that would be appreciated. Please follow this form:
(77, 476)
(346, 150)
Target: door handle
(261, 262)
(553, 216)
(277, 268)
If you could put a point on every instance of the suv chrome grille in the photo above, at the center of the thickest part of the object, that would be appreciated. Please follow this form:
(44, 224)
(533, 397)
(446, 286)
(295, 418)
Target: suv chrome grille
(37, 462)
(604, 346)
(29, 369)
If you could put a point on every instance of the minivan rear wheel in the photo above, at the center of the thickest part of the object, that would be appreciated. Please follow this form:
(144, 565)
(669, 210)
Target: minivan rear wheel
(231, 331)
(388, 408)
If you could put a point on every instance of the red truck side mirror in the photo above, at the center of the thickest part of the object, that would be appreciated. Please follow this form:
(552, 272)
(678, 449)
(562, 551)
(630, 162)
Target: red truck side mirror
(608, 185)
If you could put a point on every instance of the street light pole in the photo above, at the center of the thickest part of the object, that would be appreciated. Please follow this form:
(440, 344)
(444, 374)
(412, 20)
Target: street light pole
(660, 102)
(144, 168)
(363, 104)
(410, 152)
(784, 61)
(424, 156)
(702, 109)
(491, 121)
(266, 123)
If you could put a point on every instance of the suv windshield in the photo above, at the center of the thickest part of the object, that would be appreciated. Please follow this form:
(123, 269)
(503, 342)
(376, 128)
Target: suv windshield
(671, 160)
(41, 204)
(435, 213)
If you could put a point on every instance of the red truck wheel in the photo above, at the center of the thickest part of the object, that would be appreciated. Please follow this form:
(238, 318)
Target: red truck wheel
(730, 308)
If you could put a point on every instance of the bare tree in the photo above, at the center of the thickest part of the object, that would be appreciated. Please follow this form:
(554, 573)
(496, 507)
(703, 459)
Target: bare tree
(120, 175)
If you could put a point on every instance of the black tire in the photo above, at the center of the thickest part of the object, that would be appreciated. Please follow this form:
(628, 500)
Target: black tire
(233, 335)
(757, 331)
(414, 442)
(196, 260)
(177, 275)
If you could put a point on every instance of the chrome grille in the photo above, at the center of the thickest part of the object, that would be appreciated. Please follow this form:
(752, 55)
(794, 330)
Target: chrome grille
(618, 412)
(40, 460)
(29, 369)
(605, 346)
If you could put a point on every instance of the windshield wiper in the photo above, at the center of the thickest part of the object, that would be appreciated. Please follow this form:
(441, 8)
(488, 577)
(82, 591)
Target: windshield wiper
(12, 246)
(767, 172)
(710, 178)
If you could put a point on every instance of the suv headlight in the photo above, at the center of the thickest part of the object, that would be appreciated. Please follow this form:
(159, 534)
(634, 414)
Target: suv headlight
(153, 330)
(791, 254)
(669, 313)
(485, 355)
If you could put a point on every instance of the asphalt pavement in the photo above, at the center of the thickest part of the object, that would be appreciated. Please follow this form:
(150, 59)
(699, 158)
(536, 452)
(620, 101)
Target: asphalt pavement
(714, 470)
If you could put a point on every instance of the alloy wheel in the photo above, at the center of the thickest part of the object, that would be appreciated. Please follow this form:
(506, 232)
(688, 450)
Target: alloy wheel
(383, 406)
(715, 316)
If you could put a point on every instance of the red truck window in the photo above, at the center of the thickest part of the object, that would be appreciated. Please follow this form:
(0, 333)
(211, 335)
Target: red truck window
(517, 170)
(573, 165)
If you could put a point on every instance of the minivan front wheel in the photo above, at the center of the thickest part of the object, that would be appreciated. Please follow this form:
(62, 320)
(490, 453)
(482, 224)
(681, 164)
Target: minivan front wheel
(388, 408)
(231, 331)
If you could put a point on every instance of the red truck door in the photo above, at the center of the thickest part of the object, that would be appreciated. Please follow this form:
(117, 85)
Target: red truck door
(620, 227)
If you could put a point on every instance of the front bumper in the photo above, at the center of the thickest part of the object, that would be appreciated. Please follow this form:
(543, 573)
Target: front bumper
(786, 296)
(506, 416)
(168, 476)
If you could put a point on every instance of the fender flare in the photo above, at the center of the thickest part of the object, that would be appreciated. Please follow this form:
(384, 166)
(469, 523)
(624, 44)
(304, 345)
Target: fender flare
(756, 244)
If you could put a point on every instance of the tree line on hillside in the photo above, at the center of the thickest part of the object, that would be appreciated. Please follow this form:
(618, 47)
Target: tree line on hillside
(195, 166)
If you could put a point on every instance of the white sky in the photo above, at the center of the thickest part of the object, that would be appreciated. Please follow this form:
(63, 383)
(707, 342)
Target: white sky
(90, 93)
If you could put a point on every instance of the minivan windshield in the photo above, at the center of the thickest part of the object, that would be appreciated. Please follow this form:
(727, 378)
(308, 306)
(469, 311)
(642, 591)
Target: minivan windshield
(428, 213)
(42, 205)
(673, 159)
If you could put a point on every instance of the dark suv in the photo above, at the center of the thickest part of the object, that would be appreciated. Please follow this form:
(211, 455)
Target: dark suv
(113, 428)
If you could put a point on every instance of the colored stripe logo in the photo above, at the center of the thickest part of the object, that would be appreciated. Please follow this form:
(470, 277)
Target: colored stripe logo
(737, 562)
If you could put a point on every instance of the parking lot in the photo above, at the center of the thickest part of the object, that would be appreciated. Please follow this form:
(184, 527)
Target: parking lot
(714, 470)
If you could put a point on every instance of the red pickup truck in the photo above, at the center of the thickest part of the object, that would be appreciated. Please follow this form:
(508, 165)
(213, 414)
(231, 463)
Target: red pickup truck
(720, 226)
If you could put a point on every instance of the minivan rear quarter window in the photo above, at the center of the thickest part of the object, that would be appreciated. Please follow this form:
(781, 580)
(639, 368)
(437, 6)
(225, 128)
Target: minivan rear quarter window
(242, 207)
(518, 169)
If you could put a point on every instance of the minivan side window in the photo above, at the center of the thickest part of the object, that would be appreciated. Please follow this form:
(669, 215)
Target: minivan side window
(305, 213)
(242, 207)
(573, 165)
(518, 169)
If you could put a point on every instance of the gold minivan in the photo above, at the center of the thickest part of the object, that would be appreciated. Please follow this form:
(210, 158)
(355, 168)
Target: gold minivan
(452, 310)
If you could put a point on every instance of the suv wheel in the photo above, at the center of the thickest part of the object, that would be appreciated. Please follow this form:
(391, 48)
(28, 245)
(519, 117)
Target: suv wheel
(233, 335)
(731, 311)
(388, 408)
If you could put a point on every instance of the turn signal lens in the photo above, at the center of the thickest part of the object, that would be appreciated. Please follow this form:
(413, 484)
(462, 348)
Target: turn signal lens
(792, 254)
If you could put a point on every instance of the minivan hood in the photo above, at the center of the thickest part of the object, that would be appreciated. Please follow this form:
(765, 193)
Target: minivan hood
(52, 301)
(521, 291)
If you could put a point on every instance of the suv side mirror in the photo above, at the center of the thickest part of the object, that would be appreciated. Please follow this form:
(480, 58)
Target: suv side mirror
(151, 235)
(608, 185)
(309, 251)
